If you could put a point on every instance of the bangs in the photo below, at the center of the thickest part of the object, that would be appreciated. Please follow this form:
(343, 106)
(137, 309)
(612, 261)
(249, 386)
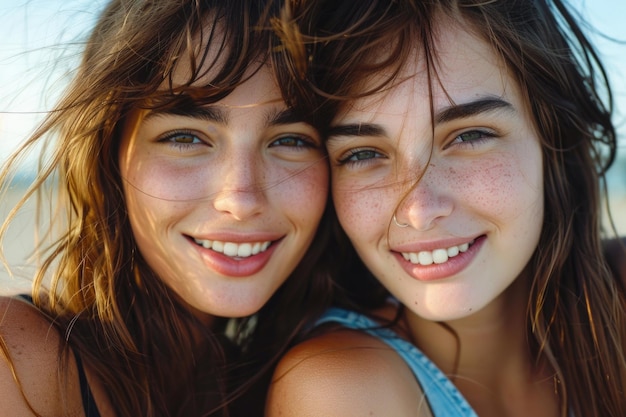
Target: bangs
(209, 58)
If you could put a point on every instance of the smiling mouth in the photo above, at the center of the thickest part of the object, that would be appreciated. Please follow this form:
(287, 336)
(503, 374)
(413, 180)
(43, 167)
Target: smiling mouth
(232, 249)
(437, 256)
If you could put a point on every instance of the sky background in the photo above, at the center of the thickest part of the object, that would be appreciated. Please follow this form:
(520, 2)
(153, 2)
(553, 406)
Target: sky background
(35, 60)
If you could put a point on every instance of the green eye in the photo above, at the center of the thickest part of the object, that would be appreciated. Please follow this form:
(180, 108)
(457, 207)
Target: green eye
(473, 137)
(359, 156)
(470, 136)
(362, 155)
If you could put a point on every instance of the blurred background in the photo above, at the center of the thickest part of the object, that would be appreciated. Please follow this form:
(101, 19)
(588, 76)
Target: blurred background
(40, 46)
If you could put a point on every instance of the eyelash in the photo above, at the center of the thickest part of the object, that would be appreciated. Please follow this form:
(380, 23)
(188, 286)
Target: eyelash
(352, 156)
(484, 135)
(170, 137)
(297, 141)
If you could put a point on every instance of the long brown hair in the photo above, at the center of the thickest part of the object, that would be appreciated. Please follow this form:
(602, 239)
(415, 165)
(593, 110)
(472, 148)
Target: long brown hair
(113, 309)
(576, 309)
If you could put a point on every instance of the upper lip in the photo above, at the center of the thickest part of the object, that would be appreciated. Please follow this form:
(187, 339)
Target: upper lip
(238, 237)
(415, 247)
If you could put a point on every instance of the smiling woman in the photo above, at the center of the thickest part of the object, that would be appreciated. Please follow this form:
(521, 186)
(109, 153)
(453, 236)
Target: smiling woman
(188, 215)
(207, 186)
(468, 149)
(484, 161)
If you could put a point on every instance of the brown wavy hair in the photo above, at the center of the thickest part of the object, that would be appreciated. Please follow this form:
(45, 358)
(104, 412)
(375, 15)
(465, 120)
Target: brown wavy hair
(576, 308)
(123, 321)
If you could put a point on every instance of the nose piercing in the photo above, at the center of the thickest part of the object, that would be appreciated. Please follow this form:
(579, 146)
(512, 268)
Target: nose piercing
(399, 224)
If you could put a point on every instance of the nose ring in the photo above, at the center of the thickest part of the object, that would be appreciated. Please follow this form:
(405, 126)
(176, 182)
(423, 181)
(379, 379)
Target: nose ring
(399, 224)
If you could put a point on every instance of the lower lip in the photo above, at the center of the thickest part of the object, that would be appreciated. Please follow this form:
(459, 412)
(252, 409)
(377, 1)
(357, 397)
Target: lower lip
(235, 267)
(445, 270)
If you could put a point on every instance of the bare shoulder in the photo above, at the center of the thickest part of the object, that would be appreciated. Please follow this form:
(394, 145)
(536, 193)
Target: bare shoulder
(343, 373)
(29, 363)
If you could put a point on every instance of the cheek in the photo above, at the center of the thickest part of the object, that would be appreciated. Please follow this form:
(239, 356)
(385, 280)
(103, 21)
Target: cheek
(490, 185)
(364, 213)
(303, 196)
(151, 195)
(148, 216)
(163, 178)
(506, 186)
(165, 181)
(153, 223)
(156, 198)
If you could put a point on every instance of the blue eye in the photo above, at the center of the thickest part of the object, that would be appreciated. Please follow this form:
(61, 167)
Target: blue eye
(360, 155)
(473, 137)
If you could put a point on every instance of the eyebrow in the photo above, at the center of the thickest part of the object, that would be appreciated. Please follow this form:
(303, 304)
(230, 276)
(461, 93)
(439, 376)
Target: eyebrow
(472, 108)
(356, 129)
(448, 114)
(219, 114)
(209, 113)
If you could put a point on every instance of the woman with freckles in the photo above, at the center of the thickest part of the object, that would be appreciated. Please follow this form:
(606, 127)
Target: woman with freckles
(467, 156)
(189, 192)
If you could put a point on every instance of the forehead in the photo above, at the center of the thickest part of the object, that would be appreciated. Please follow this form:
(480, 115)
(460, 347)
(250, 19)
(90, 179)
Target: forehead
(206, 54)
(463, 67)
(210, 52)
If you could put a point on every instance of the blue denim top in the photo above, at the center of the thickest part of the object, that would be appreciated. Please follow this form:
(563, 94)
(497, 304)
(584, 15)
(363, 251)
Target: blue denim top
(442, 396)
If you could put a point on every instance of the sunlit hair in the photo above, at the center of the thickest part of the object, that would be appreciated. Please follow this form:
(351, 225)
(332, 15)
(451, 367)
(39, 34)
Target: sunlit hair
(576, 310)
(123, 320)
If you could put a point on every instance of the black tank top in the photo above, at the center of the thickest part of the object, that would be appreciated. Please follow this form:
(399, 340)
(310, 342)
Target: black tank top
(89, 405)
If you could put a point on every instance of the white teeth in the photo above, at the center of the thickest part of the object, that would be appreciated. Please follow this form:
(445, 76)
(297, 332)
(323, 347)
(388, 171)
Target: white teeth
(438, 256)
(256, 248)
(217, 246)
(425, 258)
(232, 249)
(244, 250)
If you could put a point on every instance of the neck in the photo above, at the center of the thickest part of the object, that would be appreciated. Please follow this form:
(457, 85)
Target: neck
(487, 355)
(486, 339)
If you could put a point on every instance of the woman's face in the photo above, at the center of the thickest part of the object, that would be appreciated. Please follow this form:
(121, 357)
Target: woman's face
(224, 199)
(471, 196)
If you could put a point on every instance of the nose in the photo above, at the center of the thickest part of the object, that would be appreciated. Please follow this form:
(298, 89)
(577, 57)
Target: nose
(241, 192)
(428, 201)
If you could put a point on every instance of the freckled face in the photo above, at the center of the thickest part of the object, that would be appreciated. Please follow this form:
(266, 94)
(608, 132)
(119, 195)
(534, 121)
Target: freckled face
(224, 199)
(474, 216)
